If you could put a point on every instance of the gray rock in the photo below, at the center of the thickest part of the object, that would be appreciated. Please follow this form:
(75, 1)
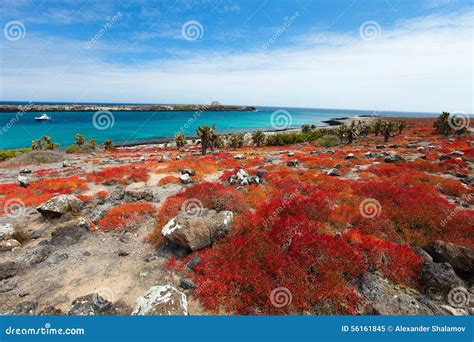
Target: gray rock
(186, 179)
(100, 212)
(333, 172)
(60, 205)
(25, 171)
(190, 172)
(8, 269)
(50, 311)
(197, 230)
(23, 181)
(195, 260)
(439, 277)
(459, 257)
(239, 156)
(37, 255)
(116, 195)
(386, 299)
(293, 163)
(7, 285)
(161, 301)
(350, 156)
(7, 231)
(8, 245)
(90, 305)
(187, 284)
(68, 234)
(26, 308)
(393, 157)
(138, 195)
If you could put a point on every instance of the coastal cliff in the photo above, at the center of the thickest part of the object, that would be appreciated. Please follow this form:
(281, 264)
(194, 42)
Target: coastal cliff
(119, 108)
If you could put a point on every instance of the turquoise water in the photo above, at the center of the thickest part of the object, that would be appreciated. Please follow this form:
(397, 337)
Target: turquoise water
(129, 127)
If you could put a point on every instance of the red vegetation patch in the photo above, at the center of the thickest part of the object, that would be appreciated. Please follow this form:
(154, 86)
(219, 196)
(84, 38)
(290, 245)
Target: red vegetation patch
(40, 191)
(169, 180)
(126, 216)
(122, 174)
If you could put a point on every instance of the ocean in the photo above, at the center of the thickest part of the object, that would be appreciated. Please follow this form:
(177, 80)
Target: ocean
(19, 129)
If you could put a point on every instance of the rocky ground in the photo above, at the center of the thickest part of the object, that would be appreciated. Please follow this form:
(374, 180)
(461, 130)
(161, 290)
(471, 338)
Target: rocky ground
(95, 234)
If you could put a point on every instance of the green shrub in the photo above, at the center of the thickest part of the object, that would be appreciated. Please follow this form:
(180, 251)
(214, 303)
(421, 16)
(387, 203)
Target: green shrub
(72, 149)
(328, 141)
(290, 138)
(7, 154)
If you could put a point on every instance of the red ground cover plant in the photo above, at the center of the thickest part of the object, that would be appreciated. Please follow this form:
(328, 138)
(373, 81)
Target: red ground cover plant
(40, 191)
(126, 216)
(123, 174)
(266, 251)
(169, 180)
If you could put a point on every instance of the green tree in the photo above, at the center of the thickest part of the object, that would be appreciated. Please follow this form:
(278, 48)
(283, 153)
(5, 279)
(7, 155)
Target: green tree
(377, 127)
(258, 137)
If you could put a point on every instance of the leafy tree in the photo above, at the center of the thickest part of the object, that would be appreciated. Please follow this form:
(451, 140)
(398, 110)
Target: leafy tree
(180, 140)
(258, 138)
(80, 140)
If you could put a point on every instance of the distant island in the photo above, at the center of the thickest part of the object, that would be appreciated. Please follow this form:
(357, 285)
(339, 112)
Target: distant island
(214, 107)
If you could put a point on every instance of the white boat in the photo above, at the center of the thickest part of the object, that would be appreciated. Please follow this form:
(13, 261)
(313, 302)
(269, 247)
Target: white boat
(44, 117)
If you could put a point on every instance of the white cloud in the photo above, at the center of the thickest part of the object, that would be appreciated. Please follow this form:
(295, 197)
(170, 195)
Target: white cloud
(424, 64)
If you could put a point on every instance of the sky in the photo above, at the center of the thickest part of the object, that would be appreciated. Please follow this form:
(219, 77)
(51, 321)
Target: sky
(403, 55)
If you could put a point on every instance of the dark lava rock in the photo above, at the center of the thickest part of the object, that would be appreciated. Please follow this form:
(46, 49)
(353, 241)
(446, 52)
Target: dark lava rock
(68, 234)
(187, 284)
(439, 277)
(195, 260)
(8, 269)
(50, 311)
(90, 305)
(459, 257)
(27, 308)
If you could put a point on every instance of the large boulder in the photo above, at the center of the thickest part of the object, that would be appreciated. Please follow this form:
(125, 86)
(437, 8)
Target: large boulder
(384, 298)
(60, 205)
(459, 257)
(8, 245)
(197, 230)
(161, 301)
(439, 277)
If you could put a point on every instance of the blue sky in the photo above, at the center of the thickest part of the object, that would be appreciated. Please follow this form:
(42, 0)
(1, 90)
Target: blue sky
(384, 54)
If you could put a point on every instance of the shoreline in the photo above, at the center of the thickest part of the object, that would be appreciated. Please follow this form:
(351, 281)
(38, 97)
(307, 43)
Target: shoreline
(32, 108)
(330, 123)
